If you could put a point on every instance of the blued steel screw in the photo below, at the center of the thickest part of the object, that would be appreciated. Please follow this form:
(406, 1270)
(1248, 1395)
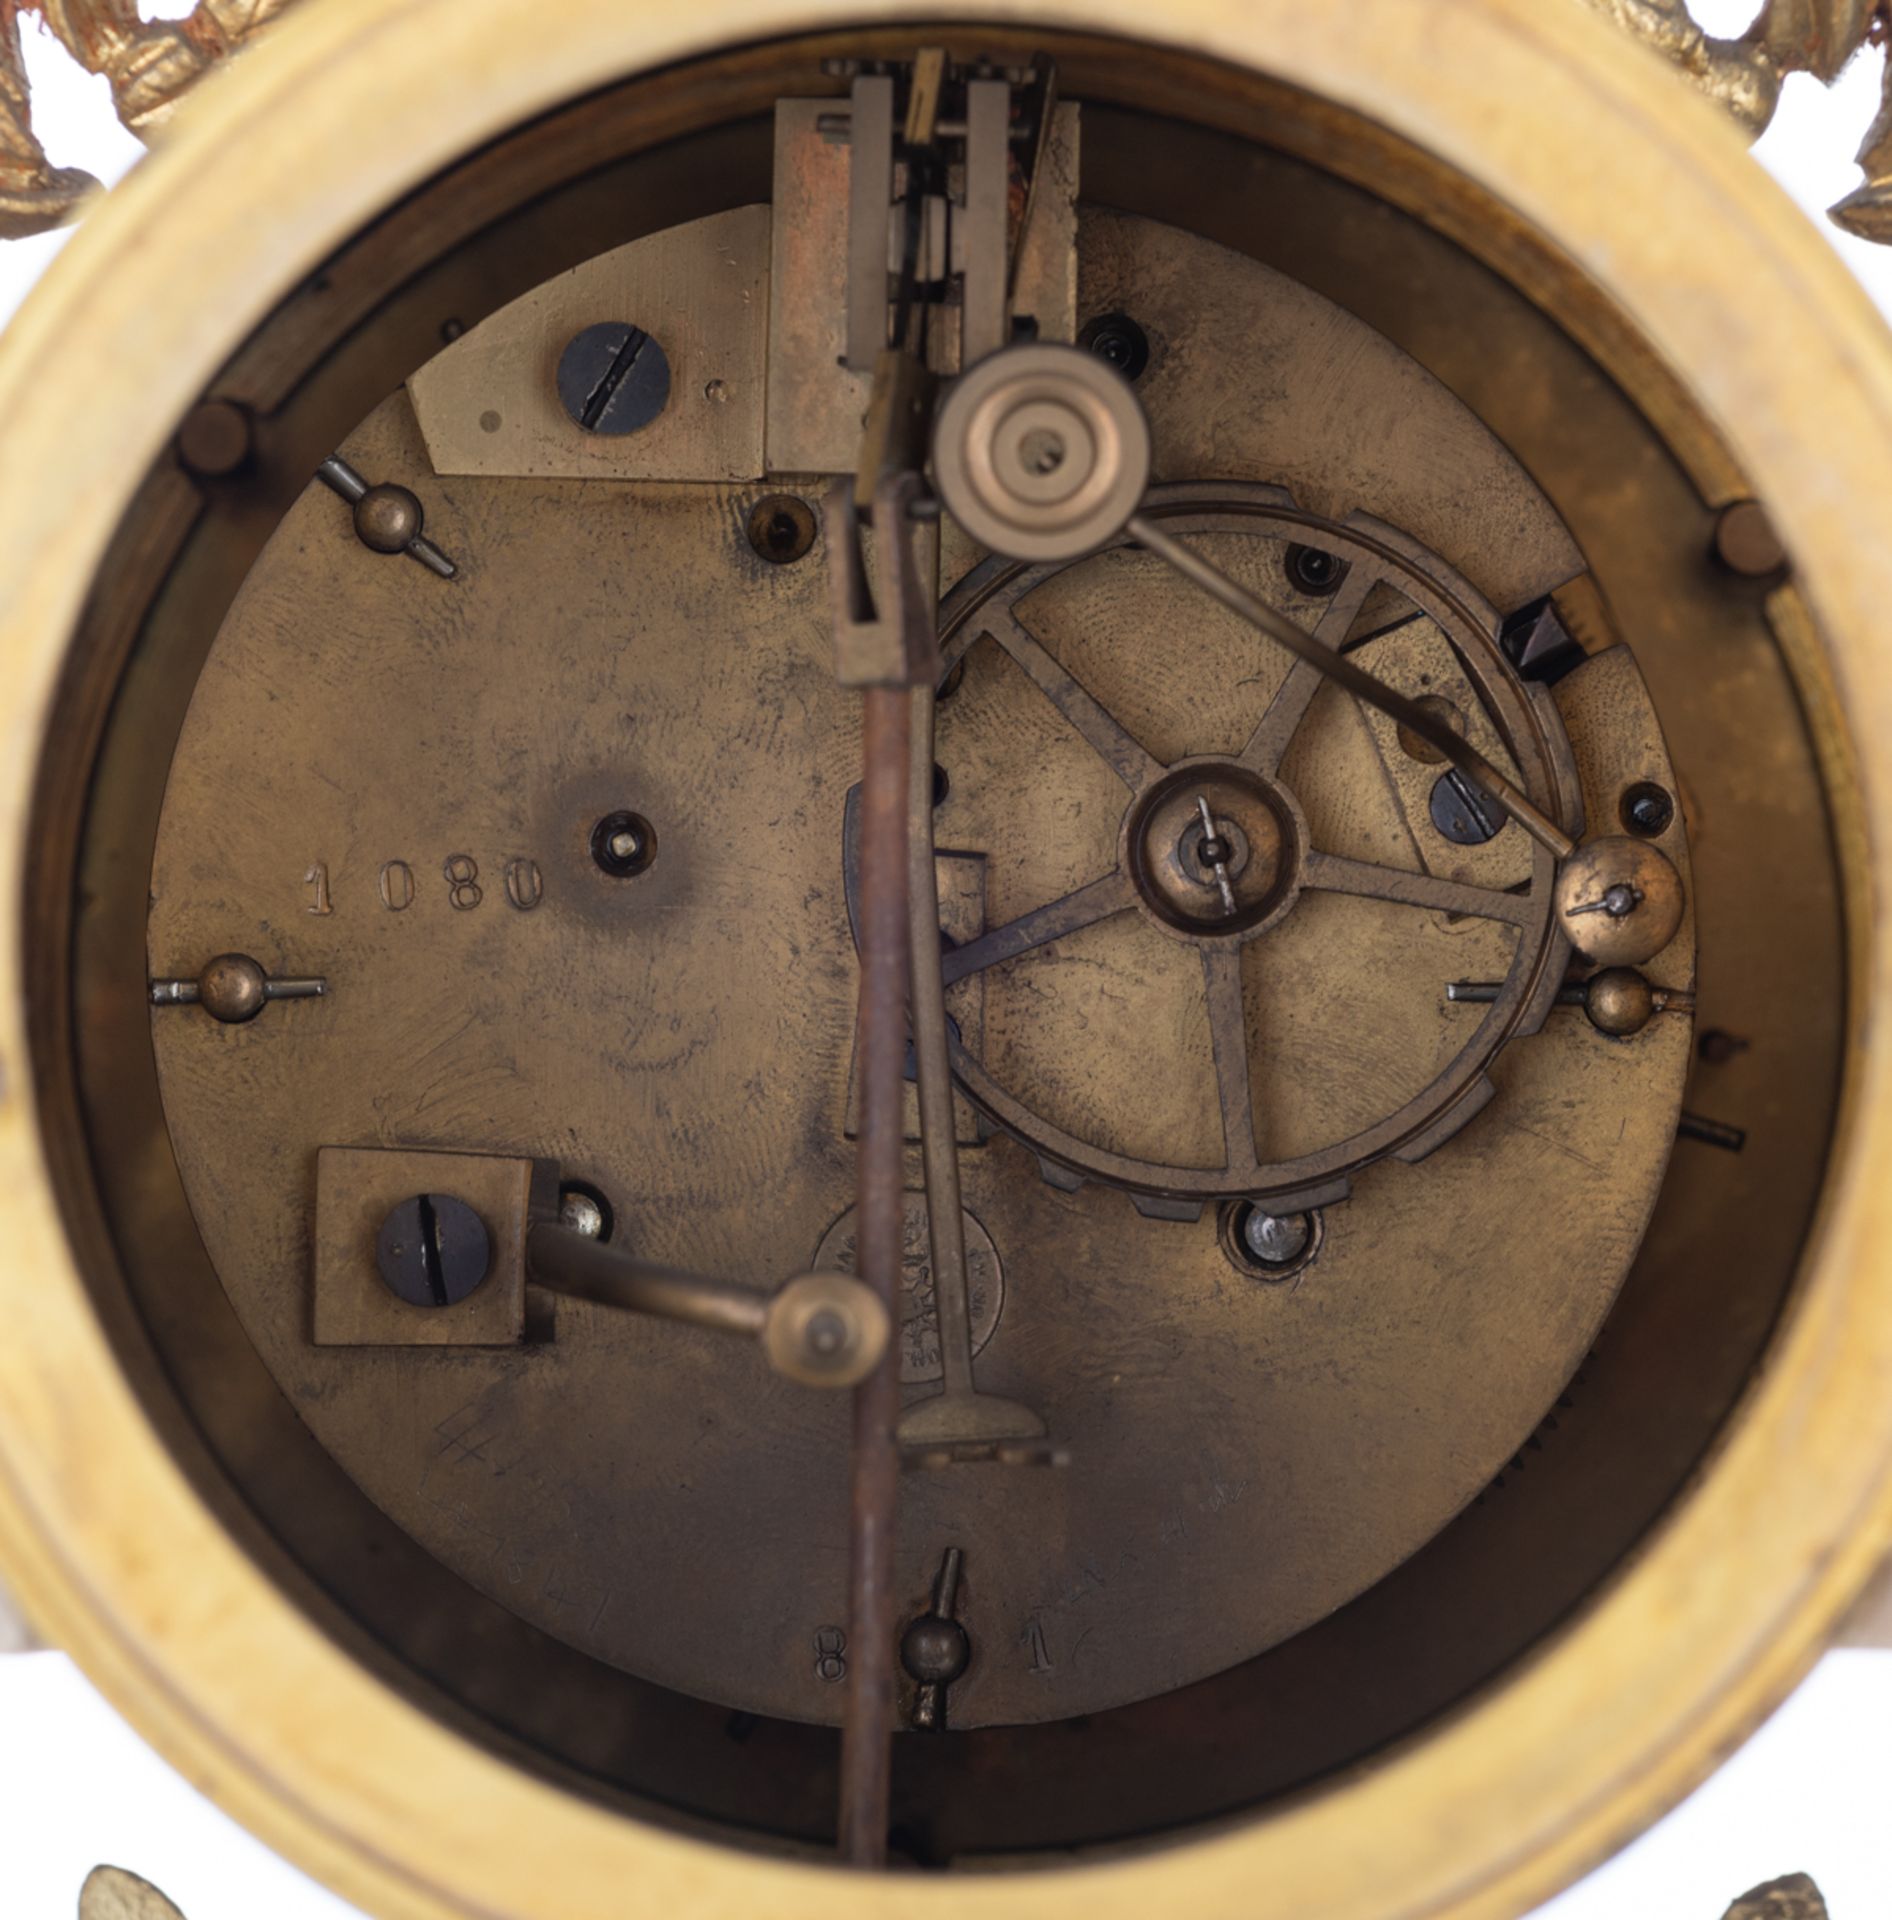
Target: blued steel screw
(1314, 570)
(433, 1250)
(1461, 813)
(613, 378)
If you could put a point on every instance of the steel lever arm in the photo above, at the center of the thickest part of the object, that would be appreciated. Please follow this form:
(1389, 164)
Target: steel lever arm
(1355, 679)
(822, 1329)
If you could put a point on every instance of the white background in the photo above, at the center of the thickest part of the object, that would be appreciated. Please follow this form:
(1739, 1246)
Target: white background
(1809, 1793)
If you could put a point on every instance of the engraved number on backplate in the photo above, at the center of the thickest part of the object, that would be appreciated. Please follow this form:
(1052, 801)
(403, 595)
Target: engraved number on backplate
(396, 886)
(397, 889)
(463, 881)
(830, 1654)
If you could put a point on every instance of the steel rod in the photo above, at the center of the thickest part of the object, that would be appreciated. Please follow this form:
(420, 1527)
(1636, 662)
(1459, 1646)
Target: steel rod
(1357, 681)
(867, 1726)
(939, 1150)
(572, 1263)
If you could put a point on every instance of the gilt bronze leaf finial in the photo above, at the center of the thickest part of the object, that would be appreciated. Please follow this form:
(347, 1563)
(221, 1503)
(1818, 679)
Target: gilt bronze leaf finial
(1745, 74)
(150, 64)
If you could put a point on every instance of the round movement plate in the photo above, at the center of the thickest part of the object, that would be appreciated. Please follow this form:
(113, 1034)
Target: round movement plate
(679, 1038)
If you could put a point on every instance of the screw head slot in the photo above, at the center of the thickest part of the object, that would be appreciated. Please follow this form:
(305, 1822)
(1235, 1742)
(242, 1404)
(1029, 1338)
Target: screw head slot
(433, 1250)
(613, 378)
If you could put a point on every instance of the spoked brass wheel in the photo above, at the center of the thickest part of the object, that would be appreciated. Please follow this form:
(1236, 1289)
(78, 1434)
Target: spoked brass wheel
(1423, 624)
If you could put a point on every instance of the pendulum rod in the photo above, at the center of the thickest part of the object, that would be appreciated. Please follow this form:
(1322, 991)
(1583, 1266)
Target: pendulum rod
(886, 644)
(939, 1149)
(867, 1729)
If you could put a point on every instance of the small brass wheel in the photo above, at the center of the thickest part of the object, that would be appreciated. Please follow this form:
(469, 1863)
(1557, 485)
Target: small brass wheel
(1214, 850)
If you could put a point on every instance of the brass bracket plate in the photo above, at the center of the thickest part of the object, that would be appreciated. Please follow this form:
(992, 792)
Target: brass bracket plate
(489, 404)
(355, 1189)
(816, 402)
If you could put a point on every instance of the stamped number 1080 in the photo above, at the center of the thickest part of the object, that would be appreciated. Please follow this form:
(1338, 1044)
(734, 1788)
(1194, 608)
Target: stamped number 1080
(397, 887)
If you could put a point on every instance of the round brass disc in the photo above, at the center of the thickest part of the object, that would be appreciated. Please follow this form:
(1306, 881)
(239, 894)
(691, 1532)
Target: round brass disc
(1262, 835)
(1619, 901)
(1041, 452)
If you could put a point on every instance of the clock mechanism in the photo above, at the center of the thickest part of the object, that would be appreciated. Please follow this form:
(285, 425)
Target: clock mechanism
(939, 964)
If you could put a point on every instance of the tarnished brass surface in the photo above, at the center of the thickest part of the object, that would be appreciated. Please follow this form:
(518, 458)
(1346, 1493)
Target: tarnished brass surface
(489, 404)
(816, 401)
(347, 700)
(1494, 1757)
(1254, 374)
(919, 1326)
(1251, 760)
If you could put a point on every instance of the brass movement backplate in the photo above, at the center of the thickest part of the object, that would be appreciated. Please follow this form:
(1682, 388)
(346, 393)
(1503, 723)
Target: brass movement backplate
(1216, 1425)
